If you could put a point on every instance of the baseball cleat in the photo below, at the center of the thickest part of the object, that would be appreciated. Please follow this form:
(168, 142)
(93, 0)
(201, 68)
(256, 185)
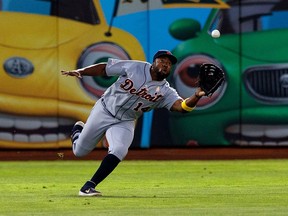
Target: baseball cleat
(76, 130)
(89, 192)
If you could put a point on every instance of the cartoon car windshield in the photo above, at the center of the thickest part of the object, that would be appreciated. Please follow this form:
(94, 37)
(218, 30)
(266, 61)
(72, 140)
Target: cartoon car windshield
(253, 17)
(69, 9)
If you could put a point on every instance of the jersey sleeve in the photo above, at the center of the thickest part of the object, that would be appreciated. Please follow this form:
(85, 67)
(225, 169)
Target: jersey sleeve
(116, 67)
(170, 98)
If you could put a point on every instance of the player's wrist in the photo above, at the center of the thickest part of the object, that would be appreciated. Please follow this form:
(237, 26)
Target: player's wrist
(197, 95)
(186, 107)
(79, 72)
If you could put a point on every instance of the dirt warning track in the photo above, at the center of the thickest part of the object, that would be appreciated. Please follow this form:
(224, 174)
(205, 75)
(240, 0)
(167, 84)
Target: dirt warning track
(216, 153)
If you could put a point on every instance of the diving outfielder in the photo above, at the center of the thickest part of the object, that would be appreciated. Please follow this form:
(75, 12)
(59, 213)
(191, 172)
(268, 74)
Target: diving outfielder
(141, 87)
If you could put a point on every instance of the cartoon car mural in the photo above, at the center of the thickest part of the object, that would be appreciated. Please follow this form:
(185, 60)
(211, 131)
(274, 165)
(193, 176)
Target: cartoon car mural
(251, 107)
(38, 106)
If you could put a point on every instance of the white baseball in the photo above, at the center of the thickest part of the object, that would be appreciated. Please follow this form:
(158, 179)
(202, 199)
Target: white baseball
(215, 33)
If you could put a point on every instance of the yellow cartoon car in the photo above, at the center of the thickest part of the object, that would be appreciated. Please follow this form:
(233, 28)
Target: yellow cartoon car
(38, 106)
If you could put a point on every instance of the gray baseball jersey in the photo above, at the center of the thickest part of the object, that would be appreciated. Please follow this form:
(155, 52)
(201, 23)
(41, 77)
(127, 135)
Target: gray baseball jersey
(135, 92)
(132, 94)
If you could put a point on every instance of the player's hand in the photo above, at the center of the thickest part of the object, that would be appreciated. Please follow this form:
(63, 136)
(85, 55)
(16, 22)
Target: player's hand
(71, 73)
(211, 78)
(199, 92)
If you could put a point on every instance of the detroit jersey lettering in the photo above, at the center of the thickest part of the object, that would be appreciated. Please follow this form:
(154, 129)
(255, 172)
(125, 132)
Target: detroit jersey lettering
(135, 90)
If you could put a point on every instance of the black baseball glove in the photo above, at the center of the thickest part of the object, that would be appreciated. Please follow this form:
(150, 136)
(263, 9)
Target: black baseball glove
(210, 78)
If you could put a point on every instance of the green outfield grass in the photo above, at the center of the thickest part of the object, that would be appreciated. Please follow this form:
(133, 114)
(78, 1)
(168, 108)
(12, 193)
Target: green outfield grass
(235, 187)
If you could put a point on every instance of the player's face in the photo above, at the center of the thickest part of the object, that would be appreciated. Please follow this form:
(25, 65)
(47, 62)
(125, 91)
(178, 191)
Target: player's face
(162, 67)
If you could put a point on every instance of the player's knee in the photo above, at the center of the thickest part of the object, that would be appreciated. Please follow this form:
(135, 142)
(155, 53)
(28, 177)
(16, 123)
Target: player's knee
(80, 152)
(119, 152)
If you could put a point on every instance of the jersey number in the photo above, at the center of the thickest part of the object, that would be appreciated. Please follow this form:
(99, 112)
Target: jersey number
(143, 109)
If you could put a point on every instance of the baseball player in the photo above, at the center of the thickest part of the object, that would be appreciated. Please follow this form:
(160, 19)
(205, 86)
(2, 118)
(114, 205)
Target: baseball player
(141, 87)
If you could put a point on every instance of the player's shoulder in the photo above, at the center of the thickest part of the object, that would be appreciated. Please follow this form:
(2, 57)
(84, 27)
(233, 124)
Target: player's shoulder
(139, 62)
(166, 84)
(128, 61)
(168, 87)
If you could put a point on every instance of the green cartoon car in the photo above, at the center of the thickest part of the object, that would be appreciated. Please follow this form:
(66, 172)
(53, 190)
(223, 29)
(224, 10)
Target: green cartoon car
(250, 109)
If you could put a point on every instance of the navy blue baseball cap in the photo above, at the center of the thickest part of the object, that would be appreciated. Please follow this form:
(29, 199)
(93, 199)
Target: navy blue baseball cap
(167, 53)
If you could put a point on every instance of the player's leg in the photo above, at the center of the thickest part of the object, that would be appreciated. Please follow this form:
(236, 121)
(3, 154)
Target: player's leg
(86, 136)
(119, 137)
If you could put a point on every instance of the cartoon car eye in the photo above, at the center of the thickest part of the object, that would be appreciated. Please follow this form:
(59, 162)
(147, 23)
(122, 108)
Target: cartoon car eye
(186, 79)
(94, 54)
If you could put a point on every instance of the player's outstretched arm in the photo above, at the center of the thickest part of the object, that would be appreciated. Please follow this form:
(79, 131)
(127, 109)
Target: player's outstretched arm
(189, 103)
(92, 70)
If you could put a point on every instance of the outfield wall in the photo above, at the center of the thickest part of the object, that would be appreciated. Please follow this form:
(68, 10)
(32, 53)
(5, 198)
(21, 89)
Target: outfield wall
(38, 106)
